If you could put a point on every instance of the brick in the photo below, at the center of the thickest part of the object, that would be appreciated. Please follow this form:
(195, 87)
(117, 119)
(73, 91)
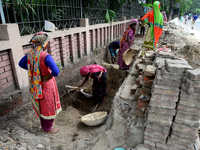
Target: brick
(140, 104)
(170, 75)
(184, 140)
(139, 114)
(187, 116)
(133, 89)
(141, 109)
(5, 74)
(10, 84)
(163, 97)
(159, 62)
(157, 127)
(147, 84)
(165, 90)
(183, 128)
(190, 103)
(188, 83)
(194, 96)
(162, 111)
(1, 70)
(148, 61)
(162, 120)
(10, 78)
(186, 122)
(150, 137)
(156, 133)
(193, 75)
(149, 144)
(167, 82)
(179, 145)
(5, 57)
(5, 63)
(149, 79)
(189, 109)
(163, 104)
(145, 90)
(144, 98)
(190, 90)
(162, 146)
(150, 71)
(165, 54)
(178, 68)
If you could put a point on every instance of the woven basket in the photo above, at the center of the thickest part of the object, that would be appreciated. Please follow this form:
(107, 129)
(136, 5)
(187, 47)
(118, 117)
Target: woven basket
(94, 119)
(128, 56)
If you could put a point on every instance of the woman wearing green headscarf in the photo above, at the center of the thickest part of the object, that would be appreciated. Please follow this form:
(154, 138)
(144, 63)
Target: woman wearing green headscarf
(155, 20)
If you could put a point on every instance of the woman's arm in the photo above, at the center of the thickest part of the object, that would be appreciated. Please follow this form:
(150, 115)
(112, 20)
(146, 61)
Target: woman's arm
(23, 62)
(128, 40)
(52, 65)
(84, 81)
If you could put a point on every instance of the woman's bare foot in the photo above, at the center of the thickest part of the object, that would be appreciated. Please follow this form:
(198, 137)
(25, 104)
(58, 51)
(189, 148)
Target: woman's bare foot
(53, 131)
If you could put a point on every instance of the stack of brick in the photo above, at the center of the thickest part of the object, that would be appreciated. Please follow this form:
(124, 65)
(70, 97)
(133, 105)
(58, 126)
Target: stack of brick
(162, 106)
(143, 100)
(187, 121)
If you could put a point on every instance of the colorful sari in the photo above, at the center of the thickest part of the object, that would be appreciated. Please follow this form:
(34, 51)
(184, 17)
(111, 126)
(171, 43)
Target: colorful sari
(124, 45)
(155, 19)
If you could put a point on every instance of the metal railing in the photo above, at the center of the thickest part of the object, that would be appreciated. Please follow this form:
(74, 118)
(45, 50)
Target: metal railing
(31, 14)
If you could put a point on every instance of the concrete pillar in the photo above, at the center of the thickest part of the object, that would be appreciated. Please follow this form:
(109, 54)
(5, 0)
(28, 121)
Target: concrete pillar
(84, 22)
(111, 36)
(124, 18)
(10, 32)
(132, 17)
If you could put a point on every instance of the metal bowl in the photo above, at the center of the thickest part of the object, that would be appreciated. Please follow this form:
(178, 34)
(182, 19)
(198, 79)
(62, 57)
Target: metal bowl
(86, 94)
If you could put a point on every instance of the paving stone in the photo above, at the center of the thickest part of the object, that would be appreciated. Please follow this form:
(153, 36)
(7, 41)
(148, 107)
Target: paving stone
(149, 71)
(190, 136)
(159, 62)
(176, 61)
(164, 97)
(189, 83)
(156, 133)
(158, 127)
(170, 75)
(193, 109)
(194, 96)
(179, 145)
(130, 80)
(167, 82)
(140, 123)
(196, 90)
(150, 145)
(187, 116)
(141, 67)
(160, 146)
(165, 54)
(193, 75)
(183, 140)
(190, 103)
(163, 120)
(134, 72)
(145, 90)
(137, 94)
(162, 111)
(183, 128)
(190, 90)
(178, 68)
(150, 137)
(133, 89)
(163, 104)
(186, 122)
(169, 90)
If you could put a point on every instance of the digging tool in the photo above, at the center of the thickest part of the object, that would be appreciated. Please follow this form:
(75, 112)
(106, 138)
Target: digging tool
(72, 88)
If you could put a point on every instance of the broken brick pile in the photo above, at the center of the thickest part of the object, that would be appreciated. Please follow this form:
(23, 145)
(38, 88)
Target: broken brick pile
(187, 122)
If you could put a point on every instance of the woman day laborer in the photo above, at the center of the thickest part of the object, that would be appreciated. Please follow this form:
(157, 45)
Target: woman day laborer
(42, 84)
(155, 19)
(126, 42)
(113, 50)
(99, 76)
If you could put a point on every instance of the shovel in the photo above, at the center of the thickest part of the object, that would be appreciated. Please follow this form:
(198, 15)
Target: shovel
(72, 88)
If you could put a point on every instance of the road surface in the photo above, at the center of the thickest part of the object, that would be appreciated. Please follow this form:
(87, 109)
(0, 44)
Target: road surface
(196, 26)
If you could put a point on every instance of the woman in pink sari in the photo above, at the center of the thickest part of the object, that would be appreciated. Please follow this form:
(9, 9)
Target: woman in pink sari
(126, 42)
(99, 76)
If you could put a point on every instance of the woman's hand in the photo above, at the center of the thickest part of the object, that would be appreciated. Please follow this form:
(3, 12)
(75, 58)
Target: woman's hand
(47, 78)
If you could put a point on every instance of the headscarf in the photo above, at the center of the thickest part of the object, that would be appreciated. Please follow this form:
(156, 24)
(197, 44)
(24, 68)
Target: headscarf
(34, 75)
(91, 69)
(124, 36)
(155, 18)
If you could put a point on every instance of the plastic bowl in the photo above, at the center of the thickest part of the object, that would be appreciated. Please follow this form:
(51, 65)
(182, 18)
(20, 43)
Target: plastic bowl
(94, 119)
(86, 95)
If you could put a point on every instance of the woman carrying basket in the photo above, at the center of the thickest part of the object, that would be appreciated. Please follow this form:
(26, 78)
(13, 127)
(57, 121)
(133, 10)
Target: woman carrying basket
(126, 42)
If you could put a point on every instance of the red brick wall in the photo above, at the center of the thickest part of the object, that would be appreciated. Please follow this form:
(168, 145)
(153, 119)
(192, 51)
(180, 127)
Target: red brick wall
(83, 43)
(7, 82)
(26, 48)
